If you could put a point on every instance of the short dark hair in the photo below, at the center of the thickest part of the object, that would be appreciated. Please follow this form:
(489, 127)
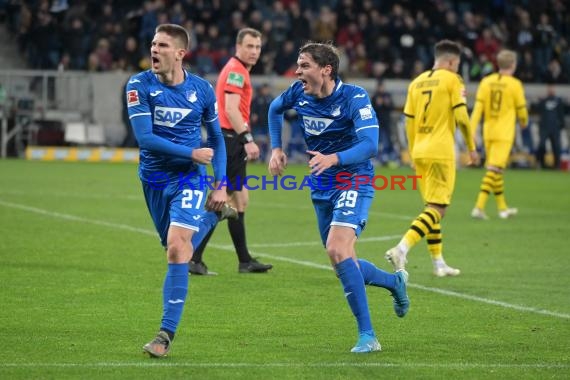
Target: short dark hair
(247, 31)
(323, 54)
(175, 31)
(447, 47)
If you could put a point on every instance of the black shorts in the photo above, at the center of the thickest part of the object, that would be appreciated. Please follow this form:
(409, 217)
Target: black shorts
(236, 160)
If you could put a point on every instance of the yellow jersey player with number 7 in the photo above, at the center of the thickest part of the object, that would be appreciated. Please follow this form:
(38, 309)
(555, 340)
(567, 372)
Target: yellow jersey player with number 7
(435, 104)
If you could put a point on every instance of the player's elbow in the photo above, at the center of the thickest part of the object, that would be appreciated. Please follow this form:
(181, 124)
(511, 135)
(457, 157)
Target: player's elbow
(370, 148)
(144, 140)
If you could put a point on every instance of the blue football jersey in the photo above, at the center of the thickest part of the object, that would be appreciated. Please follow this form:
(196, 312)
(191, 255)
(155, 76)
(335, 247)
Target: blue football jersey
(177, 114)
(330, 124)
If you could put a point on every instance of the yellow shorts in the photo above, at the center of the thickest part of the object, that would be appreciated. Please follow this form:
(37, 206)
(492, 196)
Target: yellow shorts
(497, 152)
(437, 180)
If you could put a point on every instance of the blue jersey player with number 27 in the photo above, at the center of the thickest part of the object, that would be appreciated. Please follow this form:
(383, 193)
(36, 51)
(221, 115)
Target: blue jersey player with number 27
(341, 132)
(167, 106)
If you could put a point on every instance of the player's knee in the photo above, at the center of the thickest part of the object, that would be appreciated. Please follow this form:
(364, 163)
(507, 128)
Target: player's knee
(336, 253)
(439, 208)
(177, 249)
(495, 169)
(241, 201)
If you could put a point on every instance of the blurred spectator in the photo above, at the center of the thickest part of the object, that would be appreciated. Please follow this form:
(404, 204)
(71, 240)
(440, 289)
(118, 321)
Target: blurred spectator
(487, 46)
(525, 69)
(349, 36)
(470, 30)
(383, 106)
(76, 44)
(300, 30)
(450, 28)
(554, 73)
(324, 28)
(148, 23)
(258, 119)
(551, 111)
(280, 22)
(524, 35)
(544, 39)
(45, 42)
(286, 57)
(131, 59)
(176, 14)
(101, 58)
(360, 66)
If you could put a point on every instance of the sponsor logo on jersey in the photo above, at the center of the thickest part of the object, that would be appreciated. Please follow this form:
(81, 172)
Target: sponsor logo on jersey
(191, 96)
(168, 116)
(132, 81)
(235, 79)
(304, 102)
(155, 93)
(133, 98)
(316, 125)
(359, 96)
(365, 113)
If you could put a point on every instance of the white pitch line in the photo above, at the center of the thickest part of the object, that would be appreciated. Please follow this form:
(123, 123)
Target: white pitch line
(163, 364)
(491, 302)
(317, 242)
(76, 218)
(284, 259)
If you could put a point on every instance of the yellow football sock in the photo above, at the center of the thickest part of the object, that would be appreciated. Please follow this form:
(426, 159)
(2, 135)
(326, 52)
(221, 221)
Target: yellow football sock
(487, 185)
(421, 226)
(435, 244)
(499, 191)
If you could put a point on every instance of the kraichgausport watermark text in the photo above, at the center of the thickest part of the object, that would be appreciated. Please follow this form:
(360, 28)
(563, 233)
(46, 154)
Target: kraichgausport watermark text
(342, 181)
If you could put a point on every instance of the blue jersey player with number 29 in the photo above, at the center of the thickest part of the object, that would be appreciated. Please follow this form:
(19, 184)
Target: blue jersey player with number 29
(341, 132)
(167, 106)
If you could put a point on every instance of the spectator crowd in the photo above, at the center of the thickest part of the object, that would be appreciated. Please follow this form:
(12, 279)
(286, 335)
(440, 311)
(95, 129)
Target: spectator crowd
(378, 38)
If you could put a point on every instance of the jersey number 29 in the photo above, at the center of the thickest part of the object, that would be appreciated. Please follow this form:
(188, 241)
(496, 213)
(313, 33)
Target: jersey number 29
(347, 198)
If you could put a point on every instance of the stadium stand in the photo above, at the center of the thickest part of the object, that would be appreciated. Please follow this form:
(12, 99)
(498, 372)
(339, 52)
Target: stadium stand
(392, 35)
(380, 39)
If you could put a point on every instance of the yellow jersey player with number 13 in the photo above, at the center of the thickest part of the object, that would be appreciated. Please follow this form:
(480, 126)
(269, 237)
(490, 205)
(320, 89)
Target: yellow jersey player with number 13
(500, 99)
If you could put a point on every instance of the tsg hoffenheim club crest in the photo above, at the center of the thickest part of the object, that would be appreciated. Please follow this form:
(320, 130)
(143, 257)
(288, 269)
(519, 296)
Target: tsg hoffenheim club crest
(191, 96)
(335, 110)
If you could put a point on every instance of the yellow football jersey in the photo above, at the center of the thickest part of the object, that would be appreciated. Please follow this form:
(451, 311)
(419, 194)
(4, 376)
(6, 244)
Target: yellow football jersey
(500, 98)
(435, 104)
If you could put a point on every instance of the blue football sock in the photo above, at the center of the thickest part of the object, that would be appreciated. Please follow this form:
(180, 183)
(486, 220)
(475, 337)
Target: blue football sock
(355, 293)
(376, 276)
(208, 221)
(174, 295)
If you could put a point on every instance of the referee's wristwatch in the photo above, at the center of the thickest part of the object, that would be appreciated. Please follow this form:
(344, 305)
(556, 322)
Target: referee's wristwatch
(246, 137)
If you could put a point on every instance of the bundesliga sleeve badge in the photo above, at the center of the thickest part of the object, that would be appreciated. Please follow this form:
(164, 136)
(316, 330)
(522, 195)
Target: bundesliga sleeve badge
(132, 98)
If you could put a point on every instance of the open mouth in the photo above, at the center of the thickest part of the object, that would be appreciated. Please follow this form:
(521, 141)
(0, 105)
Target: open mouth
(154, 60)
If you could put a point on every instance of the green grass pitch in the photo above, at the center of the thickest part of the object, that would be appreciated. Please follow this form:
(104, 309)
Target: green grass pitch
(81, 278)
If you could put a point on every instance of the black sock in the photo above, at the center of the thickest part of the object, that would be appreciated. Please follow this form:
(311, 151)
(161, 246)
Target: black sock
(237, 232)
(198, 252)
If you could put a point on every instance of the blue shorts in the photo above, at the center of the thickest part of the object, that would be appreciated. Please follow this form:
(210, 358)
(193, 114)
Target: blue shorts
(173, 204)
(348, 208)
